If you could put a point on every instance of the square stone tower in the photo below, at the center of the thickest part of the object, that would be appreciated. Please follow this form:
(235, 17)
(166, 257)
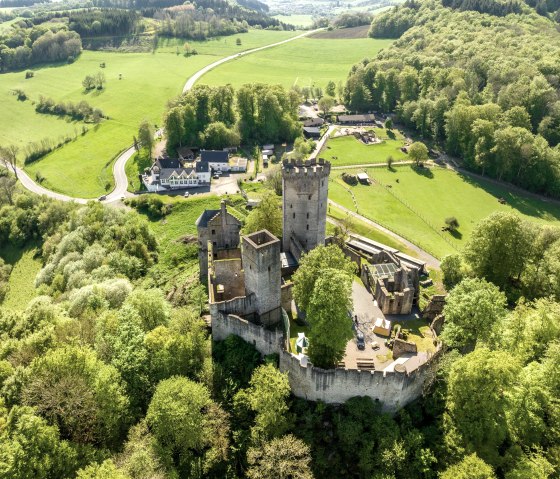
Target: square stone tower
(305, 187)
(221, 228)
(261, 265)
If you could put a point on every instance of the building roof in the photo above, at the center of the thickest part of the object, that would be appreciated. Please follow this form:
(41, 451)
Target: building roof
(205, 217)
(214, 156)
(209, 215)
(365, 118)
(312, 130)
(168, 163)
(202, 167)
(363, 176)
(314, 122)
(167, 167)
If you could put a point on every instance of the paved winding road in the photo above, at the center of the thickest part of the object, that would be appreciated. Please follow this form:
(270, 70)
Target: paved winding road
(119, 173)
(121, 181)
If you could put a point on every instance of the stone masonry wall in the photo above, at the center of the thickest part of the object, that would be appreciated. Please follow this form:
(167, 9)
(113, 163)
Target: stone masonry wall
(265, 341)
(305, 190)
(393, 390)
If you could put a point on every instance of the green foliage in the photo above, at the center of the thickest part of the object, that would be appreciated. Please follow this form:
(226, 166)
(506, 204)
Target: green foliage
(478, 401)
(30, 448)
(152, 205)
(217, 136)
(151, 307)
(311, 268)
(283, 457)
(140, 458)
(189, 427)
(267, 397)
(234, 363)
(84, 397)
(453, 270)
(499, 248)
(218, 117)
(471, 311)
(146, 136)
(266, 216)
(487, 104)
(105, 470)
(328, 316)
(471, 467)
(418, 152)
(5, 270)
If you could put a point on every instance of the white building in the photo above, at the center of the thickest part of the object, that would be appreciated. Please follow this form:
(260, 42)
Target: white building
(171, 173)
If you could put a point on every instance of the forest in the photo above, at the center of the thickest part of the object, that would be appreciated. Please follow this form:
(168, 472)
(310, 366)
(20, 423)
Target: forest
(218, 117)
(23, 47)
(484, 87)
(110, 373)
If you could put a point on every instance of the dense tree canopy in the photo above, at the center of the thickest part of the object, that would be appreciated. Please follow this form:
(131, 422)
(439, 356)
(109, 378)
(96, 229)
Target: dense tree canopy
(484, 85)
(219, 117)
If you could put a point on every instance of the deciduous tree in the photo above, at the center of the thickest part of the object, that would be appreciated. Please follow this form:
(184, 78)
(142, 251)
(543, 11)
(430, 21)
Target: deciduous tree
(472, 309)
(327, 313)
(286, 457)
(311, 268)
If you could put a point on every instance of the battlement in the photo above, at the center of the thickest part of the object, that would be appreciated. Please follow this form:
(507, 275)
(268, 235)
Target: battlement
(307, 168)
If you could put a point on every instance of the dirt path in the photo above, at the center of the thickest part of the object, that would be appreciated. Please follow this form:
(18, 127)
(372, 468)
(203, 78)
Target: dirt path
(430, 260)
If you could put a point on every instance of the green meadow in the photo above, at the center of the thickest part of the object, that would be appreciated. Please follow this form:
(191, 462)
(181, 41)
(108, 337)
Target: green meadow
(347, 150)
(414, 204)
(22, 278)
(82, 168)
(303, 62)
(297, 20)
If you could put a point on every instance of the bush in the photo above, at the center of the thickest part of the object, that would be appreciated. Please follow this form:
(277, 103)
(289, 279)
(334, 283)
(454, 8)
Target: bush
(452, 223)
(29, 74)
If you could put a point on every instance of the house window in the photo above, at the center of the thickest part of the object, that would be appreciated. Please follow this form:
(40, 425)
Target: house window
(213, 232)
(309, 197)
(291, 206)
(214, 243)
(307, 215)
(294, 216)
(307, 227)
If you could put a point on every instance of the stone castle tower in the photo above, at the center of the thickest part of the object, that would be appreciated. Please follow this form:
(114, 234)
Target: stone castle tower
(261, 266)
(305, 186)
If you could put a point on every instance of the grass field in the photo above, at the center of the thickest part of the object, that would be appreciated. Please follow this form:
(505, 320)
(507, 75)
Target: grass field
(297, 20)
(83, 167)
(303, 62)
(416, 206)
(22, 278)
(347, 150)
(344, 33)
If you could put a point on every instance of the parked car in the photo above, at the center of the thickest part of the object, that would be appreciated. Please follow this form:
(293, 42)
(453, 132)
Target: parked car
(187, 194)
(216, 176)
(102, 198)
(360, 341)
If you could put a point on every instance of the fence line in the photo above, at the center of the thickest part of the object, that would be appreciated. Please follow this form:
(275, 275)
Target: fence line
(428, 250)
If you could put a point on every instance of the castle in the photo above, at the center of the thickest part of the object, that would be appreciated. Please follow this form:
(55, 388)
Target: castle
(249, 291)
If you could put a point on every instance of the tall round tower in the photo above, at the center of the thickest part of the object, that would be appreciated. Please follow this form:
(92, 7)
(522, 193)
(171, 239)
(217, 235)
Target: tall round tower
(305, 187)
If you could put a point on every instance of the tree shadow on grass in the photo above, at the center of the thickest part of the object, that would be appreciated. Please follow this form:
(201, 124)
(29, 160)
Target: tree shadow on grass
(530, 206)
(423, 171)
(391, 134)
(456, 234)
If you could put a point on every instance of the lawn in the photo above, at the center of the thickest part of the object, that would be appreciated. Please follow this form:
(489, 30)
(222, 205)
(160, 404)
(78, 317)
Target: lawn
(303, 62)
(416, 206)
(83, 167)
(347, 150)
(22, 279)
(363, 229)
(297, 20)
